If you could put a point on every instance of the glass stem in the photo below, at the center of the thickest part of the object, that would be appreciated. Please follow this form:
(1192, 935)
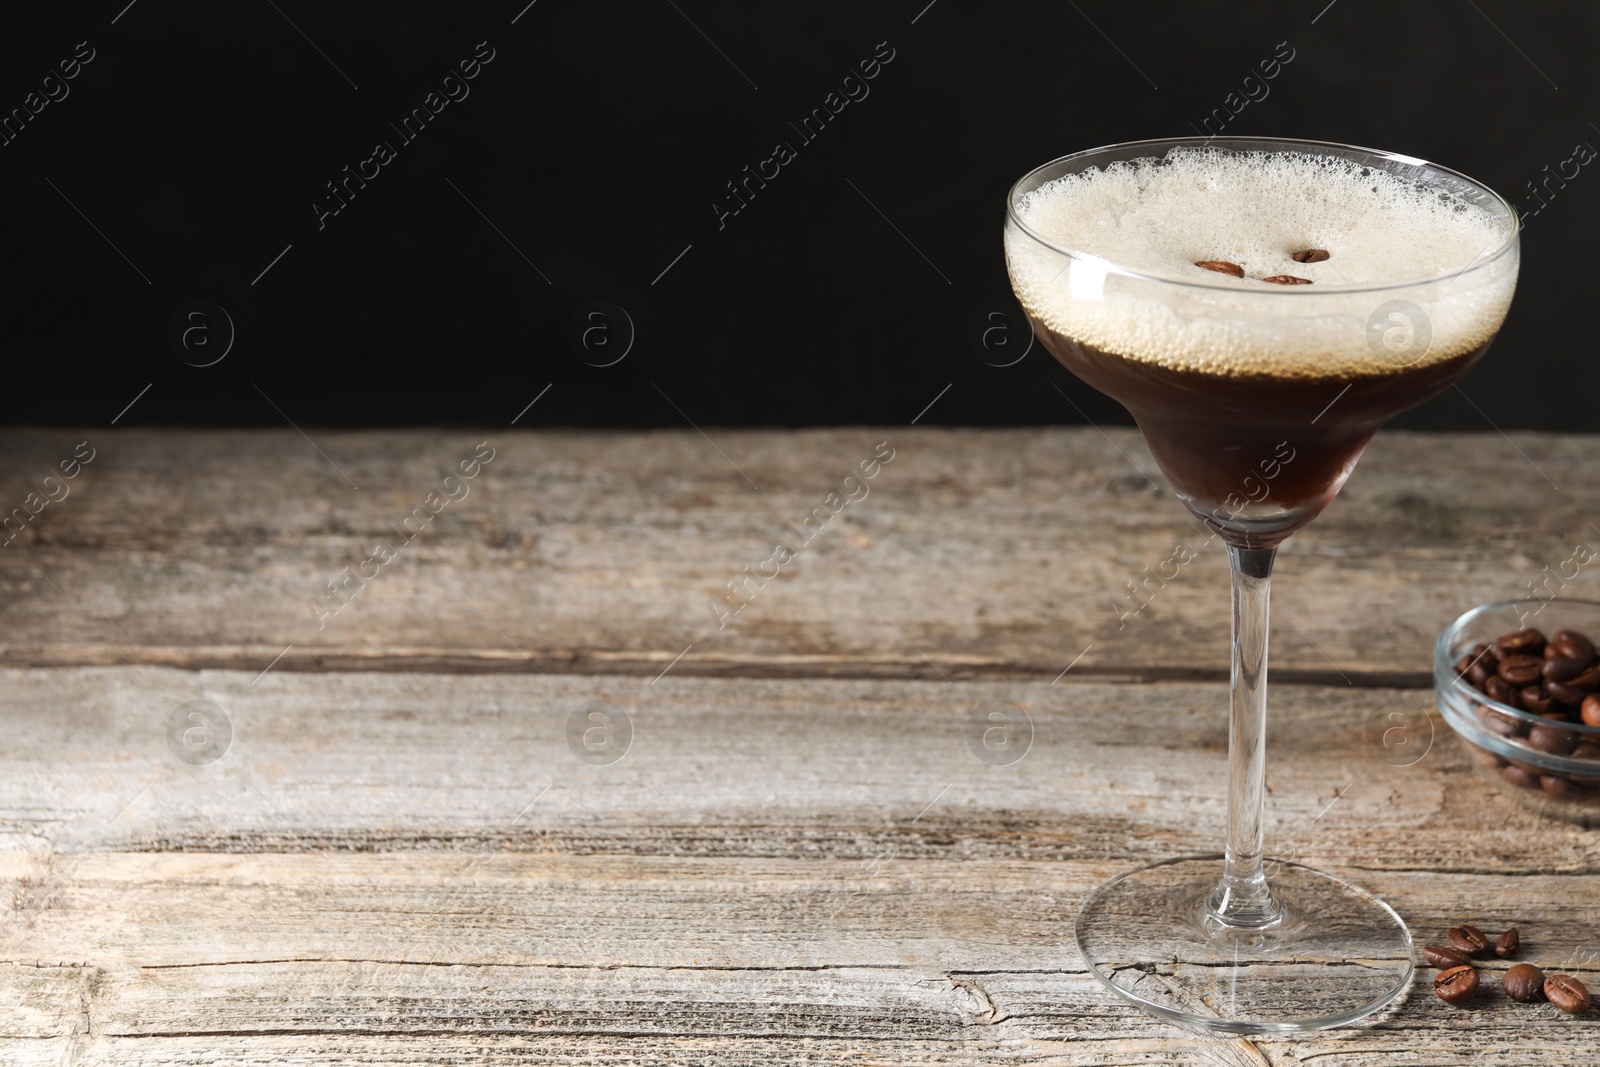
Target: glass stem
(1244, 899)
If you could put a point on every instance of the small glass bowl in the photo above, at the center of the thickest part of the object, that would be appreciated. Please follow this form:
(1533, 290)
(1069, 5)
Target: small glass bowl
(1496, 735)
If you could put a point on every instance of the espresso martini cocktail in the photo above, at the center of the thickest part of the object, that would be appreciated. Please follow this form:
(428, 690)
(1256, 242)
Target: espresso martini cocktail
(1261, 307)
(1362, 290)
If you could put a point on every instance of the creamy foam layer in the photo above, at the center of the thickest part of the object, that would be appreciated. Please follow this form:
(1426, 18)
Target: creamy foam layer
(1255, 210)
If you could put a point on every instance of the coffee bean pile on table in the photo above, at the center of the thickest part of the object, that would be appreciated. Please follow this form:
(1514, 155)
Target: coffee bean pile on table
(1556, 678)
(1457, 979)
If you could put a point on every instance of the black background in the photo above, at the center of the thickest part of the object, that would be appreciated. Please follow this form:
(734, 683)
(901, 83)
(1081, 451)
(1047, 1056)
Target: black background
(596, 142)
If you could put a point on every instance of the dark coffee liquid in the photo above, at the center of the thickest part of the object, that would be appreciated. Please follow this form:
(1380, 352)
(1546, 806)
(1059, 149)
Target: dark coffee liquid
(1257, 444)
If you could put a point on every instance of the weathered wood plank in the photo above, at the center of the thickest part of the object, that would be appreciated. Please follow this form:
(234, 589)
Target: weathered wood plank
(761, 768)
(151, 957)
(394, 868)
(974, 554)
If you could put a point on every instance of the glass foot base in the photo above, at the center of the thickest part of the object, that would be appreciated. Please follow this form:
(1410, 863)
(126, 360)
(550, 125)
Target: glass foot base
(1338, 953)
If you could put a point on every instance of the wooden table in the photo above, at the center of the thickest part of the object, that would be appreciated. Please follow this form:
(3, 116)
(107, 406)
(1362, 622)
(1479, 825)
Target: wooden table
(411, 851)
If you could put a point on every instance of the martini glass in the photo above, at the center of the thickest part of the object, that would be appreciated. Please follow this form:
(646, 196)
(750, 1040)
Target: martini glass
(1256, 400)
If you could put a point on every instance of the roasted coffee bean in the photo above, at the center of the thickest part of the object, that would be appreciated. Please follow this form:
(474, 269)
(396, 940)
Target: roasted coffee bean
(1555, 786)
(1535, 699)
(1567, 993)
(1463, 665)
(1564, 694)
(1481, 671)
(1456, 984)
(1524, 982)
(1590, 709)
(1561, 670)
(1496, 689)
(1444, 957)
(1573, 644)
(1519, 777)
(1309, 255)
(1221, 267)
(1500, 723)
(1469, 939)
(1528, 642)
(1520, 670)
(1587, 750)
(1588, 681)
(1555, 740)
(1506, 945)
(1286, 279)
(1552, 652)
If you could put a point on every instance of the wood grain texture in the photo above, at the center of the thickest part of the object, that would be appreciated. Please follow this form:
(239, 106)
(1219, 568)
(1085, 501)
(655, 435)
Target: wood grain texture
(799, 858)
(975, 554)
(417, 868)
